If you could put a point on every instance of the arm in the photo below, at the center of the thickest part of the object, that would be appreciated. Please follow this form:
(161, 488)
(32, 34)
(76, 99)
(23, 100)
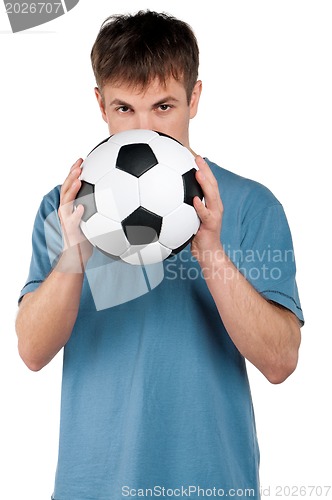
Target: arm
(46, 316)
(266, 334)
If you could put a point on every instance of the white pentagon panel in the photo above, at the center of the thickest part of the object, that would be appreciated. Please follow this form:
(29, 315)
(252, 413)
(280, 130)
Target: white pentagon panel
(179, 226)
(133, 136)
(116, 195)
(143, 255)
(100, 161)
(166, 150)
(161, 190)
(105, 234)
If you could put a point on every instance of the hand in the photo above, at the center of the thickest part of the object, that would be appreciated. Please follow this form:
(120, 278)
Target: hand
(70, 218)
(207, 238)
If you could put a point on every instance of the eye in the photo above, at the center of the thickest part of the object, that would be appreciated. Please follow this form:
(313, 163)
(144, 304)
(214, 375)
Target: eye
(164, 107)
(123, 109)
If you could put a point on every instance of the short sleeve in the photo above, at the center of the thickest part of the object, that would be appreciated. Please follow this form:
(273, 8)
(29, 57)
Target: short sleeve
(267, 258)
(46, 242)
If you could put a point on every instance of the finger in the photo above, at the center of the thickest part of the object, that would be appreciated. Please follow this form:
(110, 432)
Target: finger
(200, 208)
(210, 191)
(68, 196)
(77, 214)
(205, 175)
(70, 226)
(75, 172)
(72, 219)
(69, 182)
(69, 189)
(70, 186)
(204, 168)
(78, 163)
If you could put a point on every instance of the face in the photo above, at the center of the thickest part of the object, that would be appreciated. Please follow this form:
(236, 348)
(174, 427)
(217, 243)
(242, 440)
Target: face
(163, 108)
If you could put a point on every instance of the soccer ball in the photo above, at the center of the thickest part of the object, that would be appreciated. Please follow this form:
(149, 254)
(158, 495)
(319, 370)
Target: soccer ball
(137, 191)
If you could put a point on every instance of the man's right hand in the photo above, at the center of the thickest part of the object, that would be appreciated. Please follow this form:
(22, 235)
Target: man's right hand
(47, 315)
(76, 247)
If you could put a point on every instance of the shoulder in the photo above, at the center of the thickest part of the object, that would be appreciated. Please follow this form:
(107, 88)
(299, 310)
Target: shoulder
(238, 192)
(50, 202)
(48, 210)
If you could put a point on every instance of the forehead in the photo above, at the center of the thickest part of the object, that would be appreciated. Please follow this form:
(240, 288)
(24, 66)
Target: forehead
(154, 91)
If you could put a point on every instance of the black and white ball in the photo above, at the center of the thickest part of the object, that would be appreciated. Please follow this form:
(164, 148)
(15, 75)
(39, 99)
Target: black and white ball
(137, 191)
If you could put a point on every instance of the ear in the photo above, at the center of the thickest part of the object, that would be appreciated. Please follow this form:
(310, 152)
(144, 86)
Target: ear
(101, 103)
(194, 100)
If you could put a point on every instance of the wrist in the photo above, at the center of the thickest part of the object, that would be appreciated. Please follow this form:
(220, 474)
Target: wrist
(211, 256)
(74, 259)
(216, 264)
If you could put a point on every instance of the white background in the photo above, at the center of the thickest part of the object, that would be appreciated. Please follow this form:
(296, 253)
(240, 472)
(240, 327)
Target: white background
(265, 113)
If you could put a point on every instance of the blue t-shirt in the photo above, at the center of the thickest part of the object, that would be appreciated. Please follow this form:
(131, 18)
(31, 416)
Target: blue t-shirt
(155, 396)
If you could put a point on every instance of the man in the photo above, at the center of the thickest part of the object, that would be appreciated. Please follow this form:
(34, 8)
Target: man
(155, 395)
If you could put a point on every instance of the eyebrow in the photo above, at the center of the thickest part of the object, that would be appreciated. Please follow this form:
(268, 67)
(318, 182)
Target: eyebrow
(168, 98)
(120, 102)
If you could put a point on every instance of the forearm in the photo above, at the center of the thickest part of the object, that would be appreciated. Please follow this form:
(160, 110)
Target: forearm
(265, 334)
(46, 316)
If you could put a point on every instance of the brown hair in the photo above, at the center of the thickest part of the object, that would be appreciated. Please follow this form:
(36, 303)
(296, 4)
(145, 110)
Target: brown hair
(138, 48)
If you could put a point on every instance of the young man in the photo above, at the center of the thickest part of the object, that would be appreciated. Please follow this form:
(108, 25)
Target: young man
(155, 395)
